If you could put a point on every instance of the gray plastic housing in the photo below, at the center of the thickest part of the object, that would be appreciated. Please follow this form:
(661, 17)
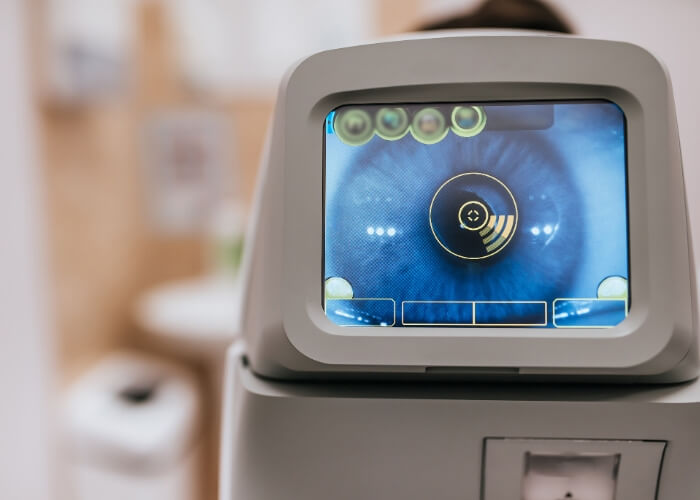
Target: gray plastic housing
(413, 441)
(286, 330)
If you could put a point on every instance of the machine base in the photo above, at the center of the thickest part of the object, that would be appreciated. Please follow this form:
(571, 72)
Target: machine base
(456, 441)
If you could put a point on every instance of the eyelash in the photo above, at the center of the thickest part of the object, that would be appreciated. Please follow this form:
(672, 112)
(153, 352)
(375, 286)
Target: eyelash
(391, 184)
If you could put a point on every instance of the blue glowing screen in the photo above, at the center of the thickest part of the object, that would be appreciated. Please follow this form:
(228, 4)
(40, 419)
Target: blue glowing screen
(476, 214)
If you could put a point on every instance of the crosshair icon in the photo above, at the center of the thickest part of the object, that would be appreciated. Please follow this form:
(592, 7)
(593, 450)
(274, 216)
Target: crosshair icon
(473, 215)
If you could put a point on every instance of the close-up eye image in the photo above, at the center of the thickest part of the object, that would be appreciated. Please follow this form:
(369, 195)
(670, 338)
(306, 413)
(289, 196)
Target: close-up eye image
(496, 214)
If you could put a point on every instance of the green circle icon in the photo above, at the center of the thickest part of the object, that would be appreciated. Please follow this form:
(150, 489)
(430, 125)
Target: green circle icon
(338, 288)
(613, 287)
(468, 121)
(429, 126)
(353, 126)
(392, 123)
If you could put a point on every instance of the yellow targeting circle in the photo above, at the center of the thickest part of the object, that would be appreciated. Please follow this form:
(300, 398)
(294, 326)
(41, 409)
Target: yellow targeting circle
(473, 215)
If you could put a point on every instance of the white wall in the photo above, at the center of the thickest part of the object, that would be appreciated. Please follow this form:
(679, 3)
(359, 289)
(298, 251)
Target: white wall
(24, 346)
(669, 29)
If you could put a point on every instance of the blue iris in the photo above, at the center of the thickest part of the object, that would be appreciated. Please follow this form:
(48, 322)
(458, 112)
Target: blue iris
(378, 235)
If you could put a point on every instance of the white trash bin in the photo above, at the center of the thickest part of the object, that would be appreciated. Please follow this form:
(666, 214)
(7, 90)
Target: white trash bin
(133, 431)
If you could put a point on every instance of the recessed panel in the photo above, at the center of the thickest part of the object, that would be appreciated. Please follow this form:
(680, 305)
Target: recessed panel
(571, 469)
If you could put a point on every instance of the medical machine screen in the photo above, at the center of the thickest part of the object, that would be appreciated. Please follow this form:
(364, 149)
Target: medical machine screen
(508, 214)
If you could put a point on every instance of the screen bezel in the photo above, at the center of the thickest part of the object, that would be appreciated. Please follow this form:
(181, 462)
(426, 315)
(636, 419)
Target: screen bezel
(397, 323)
(529, 68)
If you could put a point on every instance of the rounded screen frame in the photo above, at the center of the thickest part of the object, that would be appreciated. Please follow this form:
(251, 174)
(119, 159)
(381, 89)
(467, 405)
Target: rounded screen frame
(658, 331)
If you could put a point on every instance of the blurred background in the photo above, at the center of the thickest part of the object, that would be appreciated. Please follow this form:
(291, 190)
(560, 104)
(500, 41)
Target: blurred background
(131, 132)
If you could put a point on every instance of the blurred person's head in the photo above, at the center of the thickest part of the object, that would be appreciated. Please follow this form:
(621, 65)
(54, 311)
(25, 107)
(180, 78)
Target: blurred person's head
(516, 14)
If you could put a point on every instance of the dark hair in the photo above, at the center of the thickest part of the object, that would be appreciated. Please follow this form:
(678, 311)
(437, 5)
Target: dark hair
(519, 14)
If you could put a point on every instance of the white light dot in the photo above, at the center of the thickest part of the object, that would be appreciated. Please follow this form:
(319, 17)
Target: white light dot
(380, 231)
(383, 323)
(391, 231)
(370, 230)
(535, 230)
(359, 318)
(547, 229)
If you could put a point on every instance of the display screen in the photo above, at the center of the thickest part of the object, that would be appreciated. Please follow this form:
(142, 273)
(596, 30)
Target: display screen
(506, 214)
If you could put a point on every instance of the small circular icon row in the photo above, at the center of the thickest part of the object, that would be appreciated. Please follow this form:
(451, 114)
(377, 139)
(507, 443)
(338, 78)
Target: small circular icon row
(356, 126)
